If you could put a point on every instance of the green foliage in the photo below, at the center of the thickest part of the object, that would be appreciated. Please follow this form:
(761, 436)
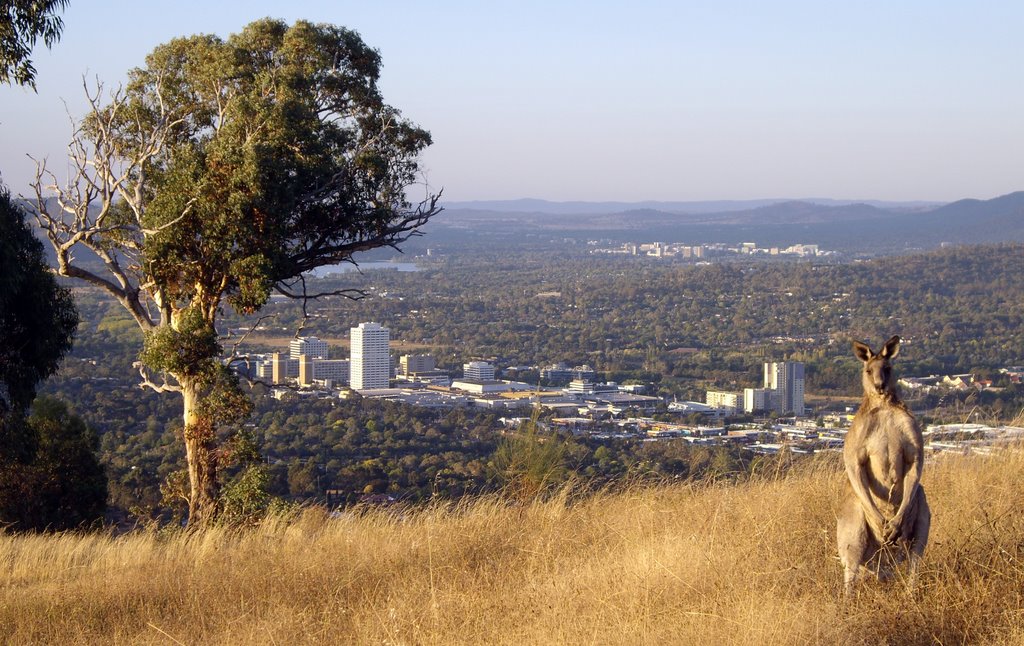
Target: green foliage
(285, 158)
(188, 349)
(245, 498)
(528, 464)
(73, 487)
(22, 23)
(174, 496)
(253, 285)
(37, 317)
(61, 485)
(224, 401)
(37, 323)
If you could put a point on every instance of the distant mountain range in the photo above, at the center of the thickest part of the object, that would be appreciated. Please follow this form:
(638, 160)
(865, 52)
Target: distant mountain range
(856, 227)
(529, 205)
(860, 226)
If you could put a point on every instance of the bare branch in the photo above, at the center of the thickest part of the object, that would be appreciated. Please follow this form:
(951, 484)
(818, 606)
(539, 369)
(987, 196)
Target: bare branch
(350, 293)
(326, 251)
(167, 225)
(234, 348)
(147, 382)
(78, 214)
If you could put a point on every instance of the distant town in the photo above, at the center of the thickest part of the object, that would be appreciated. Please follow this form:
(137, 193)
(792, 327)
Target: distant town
(577, 401)
(685, 251)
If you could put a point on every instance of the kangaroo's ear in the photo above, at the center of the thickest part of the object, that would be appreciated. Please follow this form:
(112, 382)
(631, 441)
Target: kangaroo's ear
(862, 351)
(891, 348)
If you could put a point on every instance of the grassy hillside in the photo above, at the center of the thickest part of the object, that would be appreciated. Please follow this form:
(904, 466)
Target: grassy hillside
(697, 564)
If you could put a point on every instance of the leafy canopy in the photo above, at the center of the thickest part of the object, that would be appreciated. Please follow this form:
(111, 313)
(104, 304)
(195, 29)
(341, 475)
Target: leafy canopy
(37, 317)
(22, 23)
(224, 170)
(277, 155)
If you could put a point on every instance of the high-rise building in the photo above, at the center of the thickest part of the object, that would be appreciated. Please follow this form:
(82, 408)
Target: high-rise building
(305, 370)
(785, 381)
(371, 361)
(279, 369)
(478, 370)
(755, 399)
(308, 346)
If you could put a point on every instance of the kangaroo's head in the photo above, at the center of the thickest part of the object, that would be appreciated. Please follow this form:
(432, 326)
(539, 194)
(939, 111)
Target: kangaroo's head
(877, 374)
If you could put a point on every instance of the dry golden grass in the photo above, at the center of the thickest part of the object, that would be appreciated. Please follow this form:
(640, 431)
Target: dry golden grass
(274, 341)
(701, 564)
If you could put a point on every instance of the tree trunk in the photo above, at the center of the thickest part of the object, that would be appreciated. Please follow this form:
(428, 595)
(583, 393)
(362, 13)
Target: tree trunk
(200, 454)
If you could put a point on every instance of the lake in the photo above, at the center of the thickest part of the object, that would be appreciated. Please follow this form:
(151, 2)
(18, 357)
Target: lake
(344, 268)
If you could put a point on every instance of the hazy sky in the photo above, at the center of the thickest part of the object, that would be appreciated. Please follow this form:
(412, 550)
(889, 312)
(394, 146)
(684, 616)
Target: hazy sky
(630, 101)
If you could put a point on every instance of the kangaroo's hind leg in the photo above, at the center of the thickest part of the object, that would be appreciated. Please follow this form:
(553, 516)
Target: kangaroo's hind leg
(918, 538)
(852, 537)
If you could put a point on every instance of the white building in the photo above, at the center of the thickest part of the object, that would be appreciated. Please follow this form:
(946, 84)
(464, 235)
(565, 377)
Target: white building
(263, 369)
(478, 387)
(307, 346)
(785, 380)
(755, 399)
(371, 362)
(587, 387)
(478, 371)
(335, 370)
(727, 401)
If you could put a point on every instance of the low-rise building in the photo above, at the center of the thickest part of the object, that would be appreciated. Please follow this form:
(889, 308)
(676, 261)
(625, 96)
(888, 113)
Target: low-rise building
(416, 363)
(556, 374)
(478, 371)
(729, 402)
(480, 386)
(335, 370)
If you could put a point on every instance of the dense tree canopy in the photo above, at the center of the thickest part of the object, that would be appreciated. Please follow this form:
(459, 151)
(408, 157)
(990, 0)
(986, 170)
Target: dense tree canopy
(37, 322)
(223, 171)
(37, 317)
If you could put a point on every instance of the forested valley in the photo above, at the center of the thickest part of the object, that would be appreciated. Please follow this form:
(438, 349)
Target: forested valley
(679, 328)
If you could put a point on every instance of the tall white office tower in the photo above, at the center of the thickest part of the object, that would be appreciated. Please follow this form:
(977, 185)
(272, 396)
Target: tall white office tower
(371, 364)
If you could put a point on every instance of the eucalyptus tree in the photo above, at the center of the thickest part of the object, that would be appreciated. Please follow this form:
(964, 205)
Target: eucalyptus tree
(225, 170)
(22, 23)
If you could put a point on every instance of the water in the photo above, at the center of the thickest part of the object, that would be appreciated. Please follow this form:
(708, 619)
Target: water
(344, 268)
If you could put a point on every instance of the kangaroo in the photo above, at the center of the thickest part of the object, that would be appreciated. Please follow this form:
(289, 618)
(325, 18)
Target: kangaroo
(884, 514)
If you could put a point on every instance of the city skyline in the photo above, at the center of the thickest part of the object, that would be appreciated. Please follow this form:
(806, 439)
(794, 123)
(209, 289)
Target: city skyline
(660, 101)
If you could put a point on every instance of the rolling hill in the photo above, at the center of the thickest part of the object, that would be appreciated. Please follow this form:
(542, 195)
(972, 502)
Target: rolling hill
(855, 227)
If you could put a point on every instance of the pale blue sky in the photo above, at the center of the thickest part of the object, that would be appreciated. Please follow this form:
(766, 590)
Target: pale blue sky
(640, 101)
